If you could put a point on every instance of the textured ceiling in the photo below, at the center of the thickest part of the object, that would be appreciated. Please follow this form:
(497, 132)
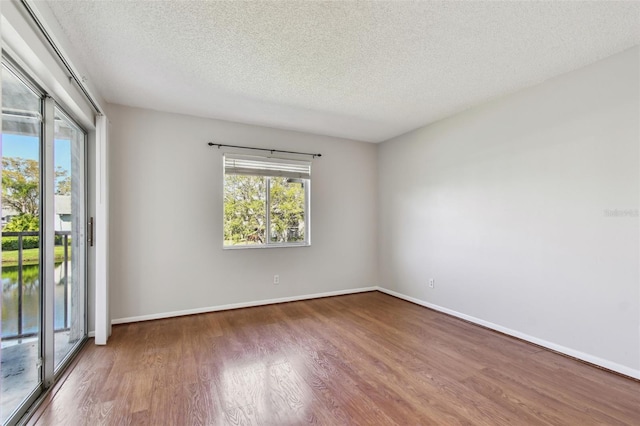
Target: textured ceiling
(361, 70)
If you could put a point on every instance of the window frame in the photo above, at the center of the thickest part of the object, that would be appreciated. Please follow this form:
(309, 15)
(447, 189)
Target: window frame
(268, 244)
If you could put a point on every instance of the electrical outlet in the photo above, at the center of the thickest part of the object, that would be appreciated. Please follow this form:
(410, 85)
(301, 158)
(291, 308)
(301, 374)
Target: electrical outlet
(432, 283)
(276, 279)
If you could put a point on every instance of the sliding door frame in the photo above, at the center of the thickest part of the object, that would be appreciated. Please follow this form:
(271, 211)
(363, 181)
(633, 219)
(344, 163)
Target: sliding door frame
(24, 77)
(84, 279)
(47, 371)
(47, 241)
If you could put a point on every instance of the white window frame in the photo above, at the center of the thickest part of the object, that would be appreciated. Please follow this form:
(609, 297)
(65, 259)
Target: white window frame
(274, 167)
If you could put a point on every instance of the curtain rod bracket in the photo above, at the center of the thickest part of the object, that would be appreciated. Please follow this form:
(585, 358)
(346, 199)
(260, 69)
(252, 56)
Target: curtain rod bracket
(220, 145)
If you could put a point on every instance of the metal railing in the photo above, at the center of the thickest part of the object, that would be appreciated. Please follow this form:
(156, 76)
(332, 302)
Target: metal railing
(62, 236)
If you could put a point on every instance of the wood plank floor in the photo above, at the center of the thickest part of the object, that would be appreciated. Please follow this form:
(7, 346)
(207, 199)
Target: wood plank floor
(364, 359)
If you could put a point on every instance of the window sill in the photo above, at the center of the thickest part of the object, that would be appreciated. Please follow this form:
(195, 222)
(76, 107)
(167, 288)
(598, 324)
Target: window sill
(265, 246)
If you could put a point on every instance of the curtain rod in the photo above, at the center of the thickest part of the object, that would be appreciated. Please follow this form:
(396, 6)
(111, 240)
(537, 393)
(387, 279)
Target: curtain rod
(219, 145)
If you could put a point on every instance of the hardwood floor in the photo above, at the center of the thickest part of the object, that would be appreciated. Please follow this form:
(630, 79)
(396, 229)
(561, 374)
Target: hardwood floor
(364, 359)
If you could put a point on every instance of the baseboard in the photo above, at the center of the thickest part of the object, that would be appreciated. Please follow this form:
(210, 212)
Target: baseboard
(591, 359)
(91, 334)
(240, 305)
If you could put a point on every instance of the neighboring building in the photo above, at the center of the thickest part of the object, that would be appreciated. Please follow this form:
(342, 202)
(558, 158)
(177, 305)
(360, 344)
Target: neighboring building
(7, 214)
(63, 213)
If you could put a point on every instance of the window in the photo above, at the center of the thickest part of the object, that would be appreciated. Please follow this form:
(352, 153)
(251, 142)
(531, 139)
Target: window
(266, 202)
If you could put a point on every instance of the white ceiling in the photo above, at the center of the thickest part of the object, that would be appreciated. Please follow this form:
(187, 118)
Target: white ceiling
(361, 70)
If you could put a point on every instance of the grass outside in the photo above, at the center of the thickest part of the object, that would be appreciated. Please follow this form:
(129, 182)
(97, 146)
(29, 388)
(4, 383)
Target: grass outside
(31, 256)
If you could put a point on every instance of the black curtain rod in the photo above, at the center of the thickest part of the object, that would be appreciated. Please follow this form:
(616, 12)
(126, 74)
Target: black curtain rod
(219, 145)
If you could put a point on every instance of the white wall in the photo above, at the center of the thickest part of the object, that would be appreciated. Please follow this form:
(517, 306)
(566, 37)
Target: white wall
(166, 217)
(505, 206)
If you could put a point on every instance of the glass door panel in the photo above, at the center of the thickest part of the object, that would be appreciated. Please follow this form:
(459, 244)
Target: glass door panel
(69, 273)
(43, 242)
(21, 223)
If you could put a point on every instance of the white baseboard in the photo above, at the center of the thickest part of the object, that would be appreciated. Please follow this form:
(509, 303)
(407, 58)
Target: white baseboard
(622, 369)
(239, 305)
(91, 334)
(609, 365)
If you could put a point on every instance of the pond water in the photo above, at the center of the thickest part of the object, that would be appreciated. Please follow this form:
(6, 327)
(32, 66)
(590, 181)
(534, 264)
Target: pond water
(30, 300)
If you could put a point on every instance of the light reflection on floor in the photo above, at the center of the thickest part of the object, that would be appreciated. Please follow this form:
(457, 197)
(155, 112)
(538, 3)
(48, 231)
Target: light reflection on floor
(259, 390)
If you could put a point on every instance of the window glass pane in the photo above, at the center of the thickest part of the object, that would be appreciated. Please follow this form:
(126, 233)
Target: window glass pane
(21, 124)
(17, 101)
(286, 198)
(69, 237)
(245, 218)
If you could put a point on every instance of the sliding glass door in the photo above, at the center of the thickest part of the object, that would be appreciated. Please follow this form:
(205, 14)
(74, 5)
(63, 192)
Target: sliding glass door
(21, 225)
(43, 241)
(69, 226)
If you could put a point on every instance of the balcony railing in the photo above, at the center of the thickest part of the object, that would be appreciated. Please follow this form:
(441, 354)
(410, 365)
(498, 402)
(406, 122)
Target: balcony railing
(60, 237)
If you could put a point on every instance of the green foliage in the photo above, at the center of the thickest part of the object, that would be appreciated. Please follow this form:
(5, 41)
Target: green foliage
(11, 243)
(245, 210)
(287, 210)
(63, 186)
(21, 184)
(22, 223)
